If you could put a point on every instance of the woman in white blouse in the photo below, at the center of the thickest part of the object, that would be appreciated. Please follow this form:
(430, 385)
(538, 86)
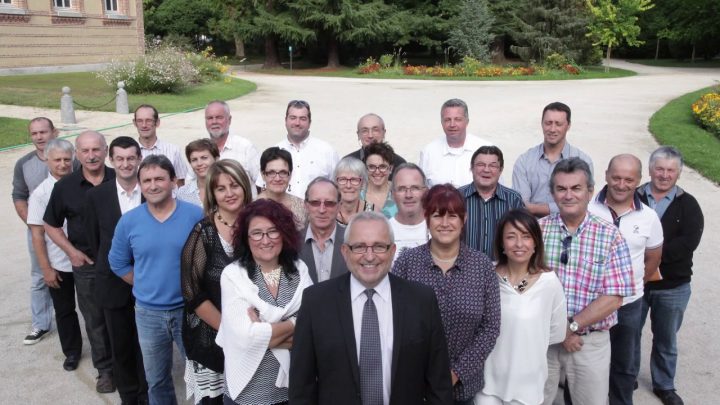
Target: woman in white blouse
(533, 315)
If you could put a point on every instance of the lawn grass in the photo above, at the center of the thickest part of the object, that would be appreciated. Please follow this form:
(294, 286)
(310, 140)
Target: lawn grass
(699, 63)
(13, 131)
(674, 125)
(591, 72)
(45, 90)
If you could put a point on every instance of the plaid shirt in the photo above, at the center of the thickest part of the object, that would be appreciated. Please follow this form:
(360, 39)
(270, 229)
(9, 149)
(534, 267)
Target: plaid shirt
(598, 263)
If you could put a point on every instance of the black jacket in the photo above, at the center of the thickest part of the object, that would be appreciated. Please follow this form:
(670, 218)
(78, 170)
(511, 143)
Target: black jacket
(682, 225)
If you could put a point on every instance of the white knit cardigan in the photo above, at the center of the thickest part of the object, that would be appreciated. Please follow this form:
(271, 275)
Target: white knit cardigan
(243, 341)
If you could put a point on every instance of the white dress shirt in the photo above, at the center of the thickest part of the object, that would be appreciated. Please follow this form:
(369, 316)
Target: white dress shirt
(170, 151)
(443, 164)
(37, 203)
(312, 158)
(244, 152)
(383, 304)
(127, 200)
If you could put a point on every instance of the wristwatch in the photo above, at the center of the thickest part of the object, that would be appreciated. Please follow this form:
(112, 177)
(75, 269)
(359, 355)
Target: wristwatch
(573, 325)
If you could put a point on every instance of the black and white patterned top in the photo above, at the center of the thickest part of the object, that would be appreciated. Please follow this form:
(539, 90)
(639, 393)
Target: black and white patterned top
(261, 389)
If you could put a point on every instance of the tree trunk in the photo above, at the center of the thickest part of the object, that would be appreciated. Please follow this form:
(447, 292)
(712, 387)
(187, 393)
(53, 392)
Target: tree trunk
(657, 48)
(333, 55)
(607, 61)
(692, 58)
(272, 59)
(498, 50)
(239, 47)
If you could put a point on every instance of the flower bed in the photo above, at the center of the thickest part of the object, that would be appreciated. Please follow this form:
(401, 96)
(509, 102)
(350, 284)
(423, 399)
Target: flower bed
(706, 111)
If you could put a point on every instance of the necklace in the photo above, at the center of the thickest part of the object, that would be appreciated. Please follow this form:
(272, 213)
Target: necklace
(520, 286)
(272, 277)
(222, 221)
(450, 260)
(342, 217)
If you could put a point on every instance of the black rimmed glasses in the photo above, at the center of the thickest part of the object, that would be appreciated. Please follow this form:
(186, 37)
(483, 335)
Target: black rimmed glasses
(565, 246)
(411, 189)
(383, 168)
(283, 174)
(362, 249)
(326, 203)
(259, 235)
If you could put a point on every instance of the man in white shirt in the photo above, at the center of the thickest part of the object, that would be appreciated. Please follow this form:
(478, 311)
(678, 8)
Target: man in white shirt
(217, 123)
(409, 225)
(618, 203)
(447, 159)
(146, 121)
(312, 157)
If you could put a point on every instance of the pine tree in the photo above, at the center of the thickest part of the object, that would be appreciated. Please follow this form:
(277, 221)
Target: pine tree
(471, 35)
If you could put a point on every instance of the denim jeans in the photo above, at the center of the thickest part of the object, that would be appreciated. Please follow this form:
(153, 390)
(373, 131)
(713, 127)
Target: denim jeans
(156, 332)
(41, 306)
(625, 346)
(667, 308)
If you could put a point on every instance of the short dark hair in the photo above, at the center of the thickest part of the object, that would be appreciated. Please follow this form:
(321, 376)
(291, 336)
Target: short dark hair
(283, 220)
(298, 104)
(521, 219)
(124, 142)
(156, 115)
(200, 145)
(46, 119)
(160, 161)
(572, 165)
(321, 179)
(557, 106)
(274, 153)
(488, 150)
(382, 149)
(443, 198)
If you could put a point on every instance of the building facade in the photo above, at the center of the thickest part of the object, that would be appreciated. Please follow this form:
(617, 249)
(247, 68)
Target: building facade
(36, 33)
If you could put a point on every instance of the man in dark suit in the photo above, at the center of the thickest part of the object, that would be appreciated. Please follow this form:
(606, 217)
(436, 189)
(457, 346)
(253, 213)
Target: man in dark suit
(369, 337)
(323, 237)
(105, 204)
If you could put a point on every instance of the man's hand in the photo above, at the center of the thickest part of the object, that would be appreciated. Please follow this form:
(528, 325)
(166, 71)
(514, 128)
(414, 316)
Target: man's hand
(52, 278)
(79, 259)
(572, 343)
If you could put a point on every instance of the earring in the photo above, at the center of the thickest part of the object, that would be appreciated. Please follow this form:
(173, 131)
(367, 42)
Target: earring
(289, 187)
(263, 187)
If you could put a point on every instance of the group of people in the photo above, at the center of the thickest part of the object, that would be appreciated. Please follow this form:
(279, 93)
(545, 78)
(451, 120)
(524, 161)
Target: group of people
(295, 276)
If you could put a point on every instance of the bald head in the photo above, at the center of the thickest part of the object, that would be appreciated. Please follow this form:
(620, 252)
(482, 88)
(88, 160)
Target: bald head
(623, 176)
(370, 129)
(91, 150)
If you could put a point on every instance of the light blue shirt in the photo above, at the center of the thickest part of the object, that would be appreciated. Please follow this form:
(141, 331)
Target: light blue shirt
(664, 203)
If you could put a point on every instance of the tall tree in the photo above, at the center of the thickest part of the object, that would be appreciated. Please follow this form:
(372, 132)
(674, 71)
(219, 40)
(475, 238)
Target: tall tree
(471, 34)
(615, 22)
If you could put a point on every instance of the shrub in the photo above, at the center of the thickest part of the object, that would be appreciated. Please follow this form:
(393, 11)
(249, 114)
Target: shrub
(706, 111)
(386, 60)
(163, 69)
(557, 61)
(369, 66)
(209, 66)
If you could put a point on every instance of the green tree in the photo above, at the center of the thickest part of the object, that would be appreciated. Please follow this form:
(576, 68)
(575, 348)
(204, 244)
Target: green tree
(471, 35)
(171, 17)
(615, 22)
(425, 22)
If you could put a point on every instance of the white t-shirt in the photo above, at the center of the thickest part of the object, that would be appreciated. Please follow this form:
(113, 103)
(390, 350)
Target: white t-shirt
(36, 210)
(642, 230)
(443, 164)
(408, 236)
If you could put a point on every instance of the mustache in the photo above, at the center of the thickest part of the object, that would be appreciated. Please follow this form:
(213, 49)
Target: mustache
(92, 160)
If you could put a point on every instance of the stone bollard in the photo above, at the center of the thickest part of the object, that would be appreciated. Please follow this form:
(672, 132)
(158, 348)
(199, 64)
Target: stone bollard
(121, 101)
(67, 110)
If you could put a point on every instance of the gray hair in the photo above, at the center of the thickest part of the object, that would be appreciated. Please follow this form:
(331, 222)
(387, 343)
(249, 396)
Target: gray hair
(455, 102)
(410, 166)
(666, 152)
(59, 145)
(367, 216)
(382, 121)
(321, 179)
(572, 165)
(225, 106)
(353, 165)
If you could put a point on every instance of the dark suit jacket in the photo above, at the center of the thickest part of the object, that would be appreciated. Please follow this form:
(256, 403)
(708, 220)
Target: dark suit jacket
(324, 366)
(103, 213)
(338, 262)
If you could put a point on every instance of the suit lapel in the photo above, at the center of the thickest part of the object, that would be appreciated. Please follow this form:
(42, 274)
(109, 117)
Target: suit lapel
(398, 311)
(338, 262)
(115, 204)
(307, 255)
(344, 307)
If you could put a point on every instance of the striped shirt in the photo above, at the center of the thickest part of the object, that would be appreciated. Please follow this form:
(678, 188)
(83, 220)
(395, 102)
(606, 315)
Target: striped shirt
(170, 151)
(483, 216)
(598, 263)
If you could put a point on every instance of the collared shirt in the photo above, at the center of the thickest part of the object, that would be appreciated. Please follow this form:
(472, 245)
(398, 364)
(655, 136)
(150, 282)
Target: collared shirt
(129, 200)
(383, 304)
(312, 158)
(244, 152)
(641, 228)
(531, 173)
(443, 164)
(36, 209)
(660, 206)
(189, 192)
(598, 263)
(469, 300)
(323, 257)
(170, 151)
(67, 202)
(483, 216)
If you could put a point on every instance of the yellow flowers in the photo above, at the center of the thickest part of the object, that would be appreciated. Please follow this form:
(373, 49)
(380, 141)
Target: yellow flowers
(706, 111)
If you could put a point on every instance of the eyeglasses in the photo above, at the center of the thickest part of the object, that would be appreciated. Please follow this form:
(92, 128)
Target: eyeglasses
(355, 181)
(565, 246)
(381, 168)
(258, 235)
(318, 203)
(362, 249)
(411, 189)
(482, 166)
(365, 130)
(283, 174)
(149, 121)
